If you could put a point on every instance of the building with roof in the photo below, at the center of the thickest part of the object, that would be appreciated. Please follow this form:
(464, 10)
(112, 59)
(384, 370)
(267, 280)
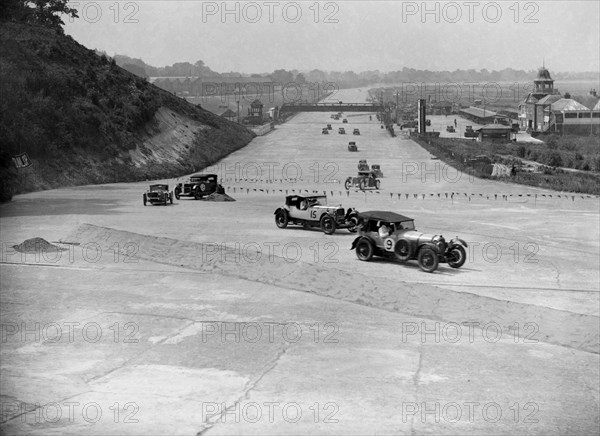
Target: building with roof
(229, 114)
(478, 115)
(568, 116)
(494, 131)
(441, 108)
(544, 110)
(255, 113)
(531, 111)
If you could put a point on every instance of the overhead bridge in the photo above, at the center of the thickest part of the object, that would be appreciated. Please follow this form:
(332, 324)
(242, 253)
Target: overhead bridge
(330, 107)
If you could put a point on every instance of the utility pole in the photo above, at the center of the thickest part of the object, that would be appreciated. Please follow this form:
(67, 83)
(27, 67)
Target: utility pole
(238, 111)
(397, 94)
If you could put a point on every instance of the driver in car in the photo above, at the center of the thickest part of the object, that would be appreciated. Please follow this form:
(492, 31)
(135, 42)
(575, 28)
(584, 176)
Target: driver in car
(384, 231)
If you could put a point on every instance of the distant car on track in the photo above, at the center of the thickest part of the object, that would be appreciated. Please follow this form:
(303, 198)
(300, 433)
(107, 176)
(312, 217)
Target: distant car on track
(341, 131)
(364, 180)
(313, 211)
(198, 186)
(356, 132)
(391, 235)
(158, 194)
(352, 146)
(325, 131)
(345, 121)
(376, 168)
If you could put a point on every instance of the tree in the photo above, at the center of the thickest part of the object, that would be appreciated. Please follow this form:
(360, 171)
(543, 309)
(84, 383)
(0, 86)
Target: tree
(282, 76)
(135, 69)
(45, 12)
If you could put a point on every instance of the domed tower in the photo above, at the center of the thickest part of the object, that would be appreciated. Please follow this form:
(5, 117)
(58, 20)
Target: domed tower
(543, 84)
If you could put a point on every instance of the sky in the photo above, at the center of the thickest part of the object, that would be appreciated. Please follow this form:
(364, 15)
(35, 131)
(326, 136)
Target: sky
(261, 36)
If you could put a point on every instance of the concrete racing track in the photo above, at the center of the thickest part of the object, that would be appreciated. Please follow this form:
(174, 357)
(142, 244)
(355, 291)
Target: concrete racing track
(204, 317)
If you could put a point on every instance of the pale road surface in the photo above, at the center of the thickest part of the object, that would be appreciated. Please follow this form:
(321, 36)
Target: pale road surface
(325, 343)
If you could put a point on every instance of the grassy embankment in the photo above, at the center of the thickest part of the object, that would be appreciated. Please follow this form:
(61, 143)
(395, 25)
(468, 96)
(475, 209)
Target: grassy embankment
(581, 153)
(78, 115)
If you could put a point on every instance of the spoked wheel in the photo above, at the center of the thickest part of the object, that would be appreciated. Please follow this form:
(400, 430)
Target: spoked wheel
(364, 250)
(353, 224)
(428, 260)
(281, 219)
(402, 250)
(328, 224)
(457, 256)
(348, 184)
(377, 184)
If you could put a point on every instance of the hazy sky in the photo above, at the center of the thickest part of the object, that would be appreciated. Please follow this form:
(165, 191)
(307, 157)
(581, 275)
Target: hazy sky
(261, 36)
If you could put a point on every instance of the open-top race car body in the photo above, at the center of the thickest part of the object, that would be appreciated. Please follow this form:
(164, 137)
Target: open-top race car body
(376, 168)
(391, 235)
(313, 211)
(158, 194)
(364, 180)
(198, 186)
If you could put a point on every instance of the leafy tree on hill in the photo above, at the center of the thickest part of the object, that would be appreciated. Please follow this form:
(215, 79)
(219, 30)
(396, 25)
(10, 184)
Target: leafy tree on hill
(45, 12)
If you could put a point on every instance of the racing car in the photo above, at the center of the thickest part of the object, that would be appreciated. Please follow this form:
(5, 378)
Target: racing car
(391, 235)
(313, 211)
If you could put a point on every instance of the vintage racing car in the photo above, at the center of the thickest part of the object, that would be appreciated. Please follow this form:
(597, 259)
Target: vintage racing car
(313, 211)
(344, 121)
(376, 168)
(158, 194)
(342, 131)
(450, 129)
(399, 240)
(325, 131)
(356, 132)
(364, 180)
(352, 146)
(198, 186)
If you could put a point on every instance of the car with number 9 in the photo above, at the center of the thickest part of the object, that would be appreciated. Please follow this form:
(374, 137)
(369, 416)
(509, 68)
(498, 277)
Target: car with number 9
(391, 235)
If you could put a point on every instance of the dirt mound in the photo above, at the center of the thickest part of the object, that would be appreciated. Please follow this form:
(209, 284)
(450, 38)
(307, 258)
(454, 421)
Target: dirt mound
(35, 245)
(218, 197)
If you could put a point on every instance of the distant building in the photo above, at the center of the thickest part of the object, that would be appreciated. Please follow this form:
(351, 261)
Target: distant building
(255, 113)
(478, 115)
(544, 110)
(568, 116)
(494, 131)
(531, 110)
(229, 114)
(441, 108)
